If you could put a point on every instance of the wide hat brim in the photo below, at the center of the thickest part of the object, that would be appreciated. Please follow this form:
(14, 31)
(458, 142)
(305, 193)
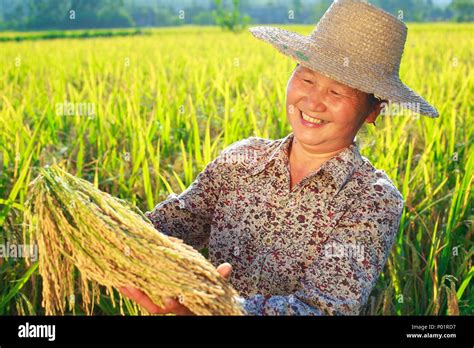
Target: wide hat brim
(316, 56)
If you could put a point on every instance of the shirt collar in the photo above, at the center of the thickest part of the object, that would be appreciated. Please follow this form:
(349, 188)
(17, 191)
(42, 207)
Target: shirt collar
(339, 168)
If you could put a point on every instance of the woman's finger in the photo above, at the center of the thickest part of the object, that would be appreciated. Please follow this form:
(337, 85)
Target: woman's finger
(143, 300)
(176, 307)
(224, 269)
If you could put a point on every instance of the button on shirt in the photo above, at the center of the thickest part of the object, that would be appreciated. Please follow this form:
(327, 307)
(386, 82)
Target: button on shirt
(315, 249)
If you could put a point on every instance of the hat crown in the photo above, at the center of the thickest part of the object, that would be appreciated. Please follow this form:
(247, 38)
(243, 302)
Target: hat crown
(358, 31)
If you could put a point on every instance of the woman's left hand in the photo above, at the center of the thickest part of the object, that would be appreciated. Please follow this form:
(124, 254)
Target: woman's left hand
(172, 305)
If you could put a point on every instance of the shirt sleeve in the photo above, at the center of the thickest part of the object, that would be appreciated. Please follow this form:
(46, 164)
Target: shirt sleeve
(188, 216)
(340, 279)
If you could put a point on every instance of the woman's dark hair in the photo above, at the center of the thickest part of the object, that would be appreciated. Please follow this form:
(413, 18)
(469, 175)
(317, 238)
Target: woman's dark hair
(373, 99)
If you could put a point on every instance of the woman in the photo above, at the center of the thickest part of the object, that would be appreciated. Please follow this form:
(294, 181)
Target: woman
(306, 222)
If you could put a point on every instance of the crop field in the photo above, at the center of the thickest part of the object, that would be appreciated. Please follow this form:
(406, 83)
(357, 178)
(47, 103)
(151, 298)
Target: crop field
(140, 116)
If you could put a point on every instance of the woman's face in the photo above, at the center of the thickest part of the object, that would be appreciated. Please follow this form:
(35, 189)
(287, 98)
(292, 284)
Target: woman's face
(344, 109)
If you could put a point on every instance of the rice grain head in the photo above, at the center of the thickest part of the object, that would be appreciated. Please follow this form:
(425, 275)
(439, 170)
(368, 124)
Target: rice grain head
(111, 243)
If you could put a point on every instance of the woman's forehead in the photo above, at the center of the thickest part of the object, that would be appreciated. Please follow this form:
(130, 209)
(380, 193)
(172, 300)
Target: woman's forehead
(320, 76)
(327, 80)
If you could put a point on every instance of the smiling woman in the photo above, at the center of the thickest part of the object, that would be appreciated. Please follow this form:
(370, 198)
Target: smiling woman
(325, 115)
(306, 222)
(315, 102)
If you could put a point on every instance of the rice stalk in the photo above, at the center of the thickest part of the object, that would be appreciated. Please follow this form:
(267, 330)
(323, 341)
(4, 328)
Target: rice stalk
(113, 244)
(453, 306)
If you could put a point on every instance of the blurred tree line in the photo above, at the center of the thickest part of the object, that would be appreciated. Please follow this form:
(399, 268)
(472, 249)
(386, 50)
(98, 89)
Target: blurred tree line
(230, 14)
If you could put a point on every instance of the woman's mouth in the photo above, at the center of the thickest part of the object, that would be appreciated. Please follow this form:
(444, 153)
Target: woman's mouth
(312, 121)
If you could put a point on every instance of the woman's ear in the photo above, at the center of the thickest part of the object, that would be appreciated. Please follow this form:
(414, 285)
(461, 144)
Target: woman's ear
(376, 110)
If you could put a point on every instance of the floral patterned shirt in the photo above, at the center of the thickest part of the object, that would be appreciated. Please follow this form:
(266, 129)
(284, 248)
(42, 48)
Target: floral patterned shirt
(315, 249)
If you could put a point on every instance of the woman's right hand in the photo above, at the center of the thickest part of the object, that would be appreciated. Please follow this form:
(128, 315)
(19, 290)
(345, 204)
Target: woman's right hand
(172, 305)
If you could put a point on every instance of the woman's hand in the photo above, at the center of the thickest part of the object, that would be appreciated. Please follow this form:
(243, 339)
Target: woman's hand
(172, 305)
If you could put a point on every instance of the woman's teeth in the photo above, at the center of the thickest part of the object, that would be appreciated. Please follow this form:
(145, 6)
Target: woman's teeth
(312, 119)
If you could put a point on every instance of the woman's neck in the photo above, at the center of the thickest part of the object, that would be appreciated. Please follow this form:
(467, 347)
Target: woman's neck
(303, 158)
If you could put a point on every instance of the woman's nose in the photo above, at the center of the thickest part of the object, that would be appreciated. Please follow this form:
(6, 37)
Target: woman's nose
(315, 100)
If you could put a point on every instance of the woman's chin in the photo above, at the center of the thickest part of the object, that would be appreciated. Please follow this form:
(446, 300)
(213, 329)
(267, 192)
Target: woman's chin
(306, 132)
(305, 137)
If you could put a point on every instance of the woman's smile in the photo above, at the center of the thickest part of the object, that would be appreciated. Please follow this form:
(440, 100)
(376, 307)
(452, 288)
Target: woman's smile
(311, 121)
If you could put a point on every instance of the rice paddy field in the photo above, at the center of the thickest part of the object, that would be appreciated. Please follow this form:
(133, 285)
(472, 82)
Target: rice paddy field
(140, 117)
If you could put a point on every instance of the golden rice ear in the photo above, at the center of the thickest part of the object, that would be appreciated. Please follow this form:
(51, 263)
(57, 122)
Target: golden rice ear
(77, 226)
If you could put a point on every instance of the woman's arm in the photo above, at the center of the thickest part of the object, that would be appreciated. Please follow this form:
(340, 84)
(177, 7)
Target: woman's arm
(188, 215)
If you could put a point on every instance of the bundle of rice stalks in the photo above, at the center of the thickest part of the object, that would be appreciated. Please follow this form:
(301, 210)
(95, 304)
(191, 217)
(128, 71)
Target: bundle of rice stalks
(111, 243)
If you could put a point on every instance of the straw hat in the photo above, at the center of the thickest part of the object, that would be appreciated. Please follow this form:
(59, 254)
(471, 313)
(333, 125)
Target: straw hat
(356, 44)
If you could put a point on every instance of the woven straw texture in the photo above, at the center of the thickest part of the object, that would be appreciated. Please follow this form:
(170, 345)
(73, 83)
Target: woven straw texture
(356, 44)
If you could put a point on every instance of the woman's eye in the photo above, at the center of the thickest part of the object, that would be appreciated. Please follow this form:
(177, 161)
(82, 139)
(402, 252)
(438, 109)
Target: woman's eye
(335, 93)
(307, 81)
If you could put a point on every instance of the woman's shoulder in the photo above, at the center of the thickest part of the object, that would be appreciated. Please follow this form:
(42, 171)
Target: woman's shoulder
(378, 182)
(251, 143)
(250, 149)
(247, 153)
